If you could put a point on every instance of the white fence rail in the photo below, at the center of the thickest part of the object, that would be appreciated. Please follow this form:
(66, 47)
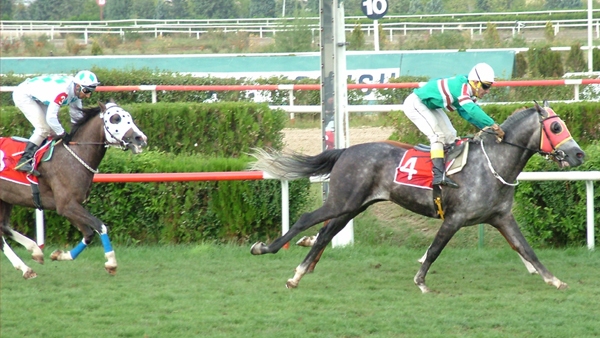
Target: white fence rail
(270, 26)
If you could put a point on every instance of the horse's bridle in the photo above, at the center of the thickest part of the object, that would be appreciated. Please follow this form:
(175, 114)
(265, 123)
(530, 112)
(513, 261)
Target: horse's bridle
(548, 145)
(119, 142)
(545, 140)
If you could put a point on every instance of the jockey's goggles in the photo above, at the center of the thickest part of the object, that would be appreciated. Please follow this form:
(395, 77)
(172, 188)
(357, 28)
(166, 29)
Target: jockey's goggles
(486, 85)
(87, 90)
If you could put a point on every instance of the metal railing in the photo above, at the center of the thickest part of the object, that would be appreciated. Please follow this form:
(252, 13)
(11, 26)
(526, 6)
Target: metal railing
(270, 26)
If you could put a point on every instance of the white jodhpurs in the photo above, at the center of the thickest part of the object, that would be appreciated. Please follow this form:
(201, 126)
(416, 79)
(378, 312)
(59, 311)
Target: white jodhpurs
(35, 112)
(435, 124)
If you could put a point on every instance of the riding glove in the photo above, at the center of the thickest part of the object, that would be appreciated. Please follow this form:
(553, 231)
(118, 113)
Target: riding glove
(498, 131)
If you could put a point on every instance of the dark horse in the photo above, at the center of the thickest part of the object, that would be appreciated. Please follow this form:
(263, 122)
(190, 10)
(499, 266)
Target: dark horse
(364, 174)
(65, 183)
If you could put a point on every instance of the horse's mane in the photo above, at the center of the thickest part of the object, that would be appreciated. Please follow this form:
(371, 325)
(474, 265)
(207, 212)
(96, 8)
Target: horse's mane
(515, 119)
(87, 114)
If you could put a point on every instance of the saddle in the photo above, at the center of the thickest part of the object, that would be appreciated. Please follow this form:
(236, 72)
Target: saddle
(11, 151)
(415, 168)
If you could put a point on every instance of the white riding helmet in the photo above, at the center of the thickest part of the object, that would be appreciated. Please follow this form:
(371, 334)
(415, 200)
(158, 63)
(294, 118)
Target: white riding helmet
(482, 72)
(86, 79)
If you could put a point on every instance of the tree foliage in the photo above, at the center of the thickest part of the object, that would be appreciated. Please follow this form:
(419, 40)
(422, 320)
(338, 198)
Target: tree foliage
(357, 38)
(262, 9)
(210, 9)
(575, 61)
(6, 8)
(52, 9)
(118, 9)
(562, 4)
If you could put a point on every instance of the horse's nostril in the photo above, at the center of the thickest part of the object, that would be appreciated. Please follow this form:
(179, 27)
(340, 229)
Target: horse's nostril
(580, 155)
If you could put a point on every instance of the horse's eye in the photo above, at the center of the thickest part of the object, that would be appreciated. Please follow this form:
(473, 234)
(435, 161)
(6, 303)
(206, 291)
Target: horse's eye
(555, 127)
(115, 119)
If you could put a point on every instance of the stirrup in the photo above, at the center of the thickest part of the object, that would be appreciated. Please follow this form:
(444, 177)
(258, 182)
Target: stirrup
(447, 182)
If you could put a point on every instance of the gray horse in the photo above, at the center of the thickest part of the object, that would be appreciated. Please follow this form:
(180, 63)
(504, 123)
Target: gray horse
(66, 180)
(364, 174)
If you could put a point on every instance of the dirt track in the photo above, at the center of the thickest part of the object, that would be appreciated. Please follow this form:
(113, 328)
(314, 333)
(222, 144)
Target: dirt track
(308, 141)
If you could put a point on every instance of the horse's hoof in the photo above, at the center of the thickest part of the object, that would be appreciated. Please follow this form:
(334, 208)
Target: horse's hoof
(306, 241)
(112, 270)
(29, 274)
(54, 256)
(257, 248)
(291, 284)
(424, 288)
(562, 286)
(38, 258)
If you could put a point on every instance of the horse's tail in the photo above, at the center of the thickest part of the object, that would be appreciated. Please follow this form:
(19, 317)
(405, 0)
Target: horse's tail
(295, 165)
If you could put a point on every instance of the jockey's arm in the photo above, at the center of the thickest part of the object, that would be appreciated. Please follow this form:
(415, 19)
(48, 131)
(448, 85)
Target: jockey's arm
(471, 112)
(75, 110)
(52, 118)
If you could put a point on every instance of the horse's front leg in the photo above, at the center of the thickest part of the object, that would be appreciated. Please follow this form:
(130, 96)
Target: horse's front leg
(509, 228)
(80, 217)
(28, 273)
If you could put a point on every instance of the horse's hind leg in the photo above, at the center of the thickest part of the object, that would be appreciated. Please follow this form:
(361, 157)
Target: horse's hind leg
(509, 228)
(328, 231)
(29, 244)
(323, 239)
(28, 273)
(305, 221)
(442, 237)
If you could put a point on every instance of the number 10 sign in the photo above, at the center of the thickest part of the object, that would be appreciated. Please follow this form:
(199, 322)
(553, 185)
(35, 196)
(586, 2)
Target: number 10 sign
(374, 9)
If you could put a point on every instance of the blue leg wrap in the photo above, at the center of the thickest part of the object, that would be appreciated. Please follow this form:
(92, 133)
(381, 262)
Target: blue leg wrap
(106, 243)
(78, 249)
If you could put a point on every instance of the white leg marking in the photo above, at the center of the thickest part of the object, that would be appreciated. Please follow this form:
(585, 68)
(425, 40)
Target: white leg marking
(422, 259)
(528, 265)
(30, 245)
(111, 260)
(293, 282)
(17, 262)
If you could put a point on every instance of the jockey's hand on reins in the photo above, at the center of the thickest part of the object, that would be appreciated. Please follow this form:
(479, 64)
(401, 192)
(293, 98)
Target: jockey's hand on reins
(498, 131)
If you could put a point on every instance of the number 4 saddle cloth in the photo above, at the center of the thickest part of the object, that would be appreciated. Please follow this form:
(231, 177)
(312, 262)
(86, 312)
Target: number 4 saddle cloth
(415, 166)
(11, 151)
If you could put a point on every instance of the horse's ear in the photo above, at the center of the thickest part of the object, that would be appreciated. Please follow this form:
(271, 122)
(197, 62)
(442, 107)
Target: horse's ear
(102, 106)
(546, 104)
(537, 107)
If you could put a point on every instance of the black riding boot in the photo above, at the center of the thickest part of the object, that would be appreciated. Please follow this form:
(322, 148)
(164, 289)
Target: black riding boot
(439, 174)
(25, 163)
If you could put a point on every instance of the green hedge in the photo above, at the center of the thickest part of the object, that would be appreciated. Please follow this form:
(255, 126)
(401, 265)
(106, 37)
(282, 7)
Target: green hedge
(226, 129)
(553, 213)
(176, 212)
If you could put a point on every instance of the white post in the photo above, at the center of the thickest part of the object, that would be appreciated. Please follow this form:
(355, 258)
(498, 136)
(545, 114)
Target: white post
(590, 46)
(39, 227)
(589, 187)
(342, 129)
(285, 207)
(376, 35)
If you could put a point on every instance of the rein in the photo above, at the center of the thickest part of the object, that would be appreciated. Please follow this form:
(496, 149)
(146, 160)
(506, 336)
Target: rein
(95, 171)
(554, 153)
(120, 144)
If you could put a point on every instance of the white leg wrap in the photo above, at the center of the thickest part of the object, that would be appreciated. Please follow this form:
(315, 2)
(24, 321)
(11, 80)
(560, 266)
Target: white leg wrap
(111, 259)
